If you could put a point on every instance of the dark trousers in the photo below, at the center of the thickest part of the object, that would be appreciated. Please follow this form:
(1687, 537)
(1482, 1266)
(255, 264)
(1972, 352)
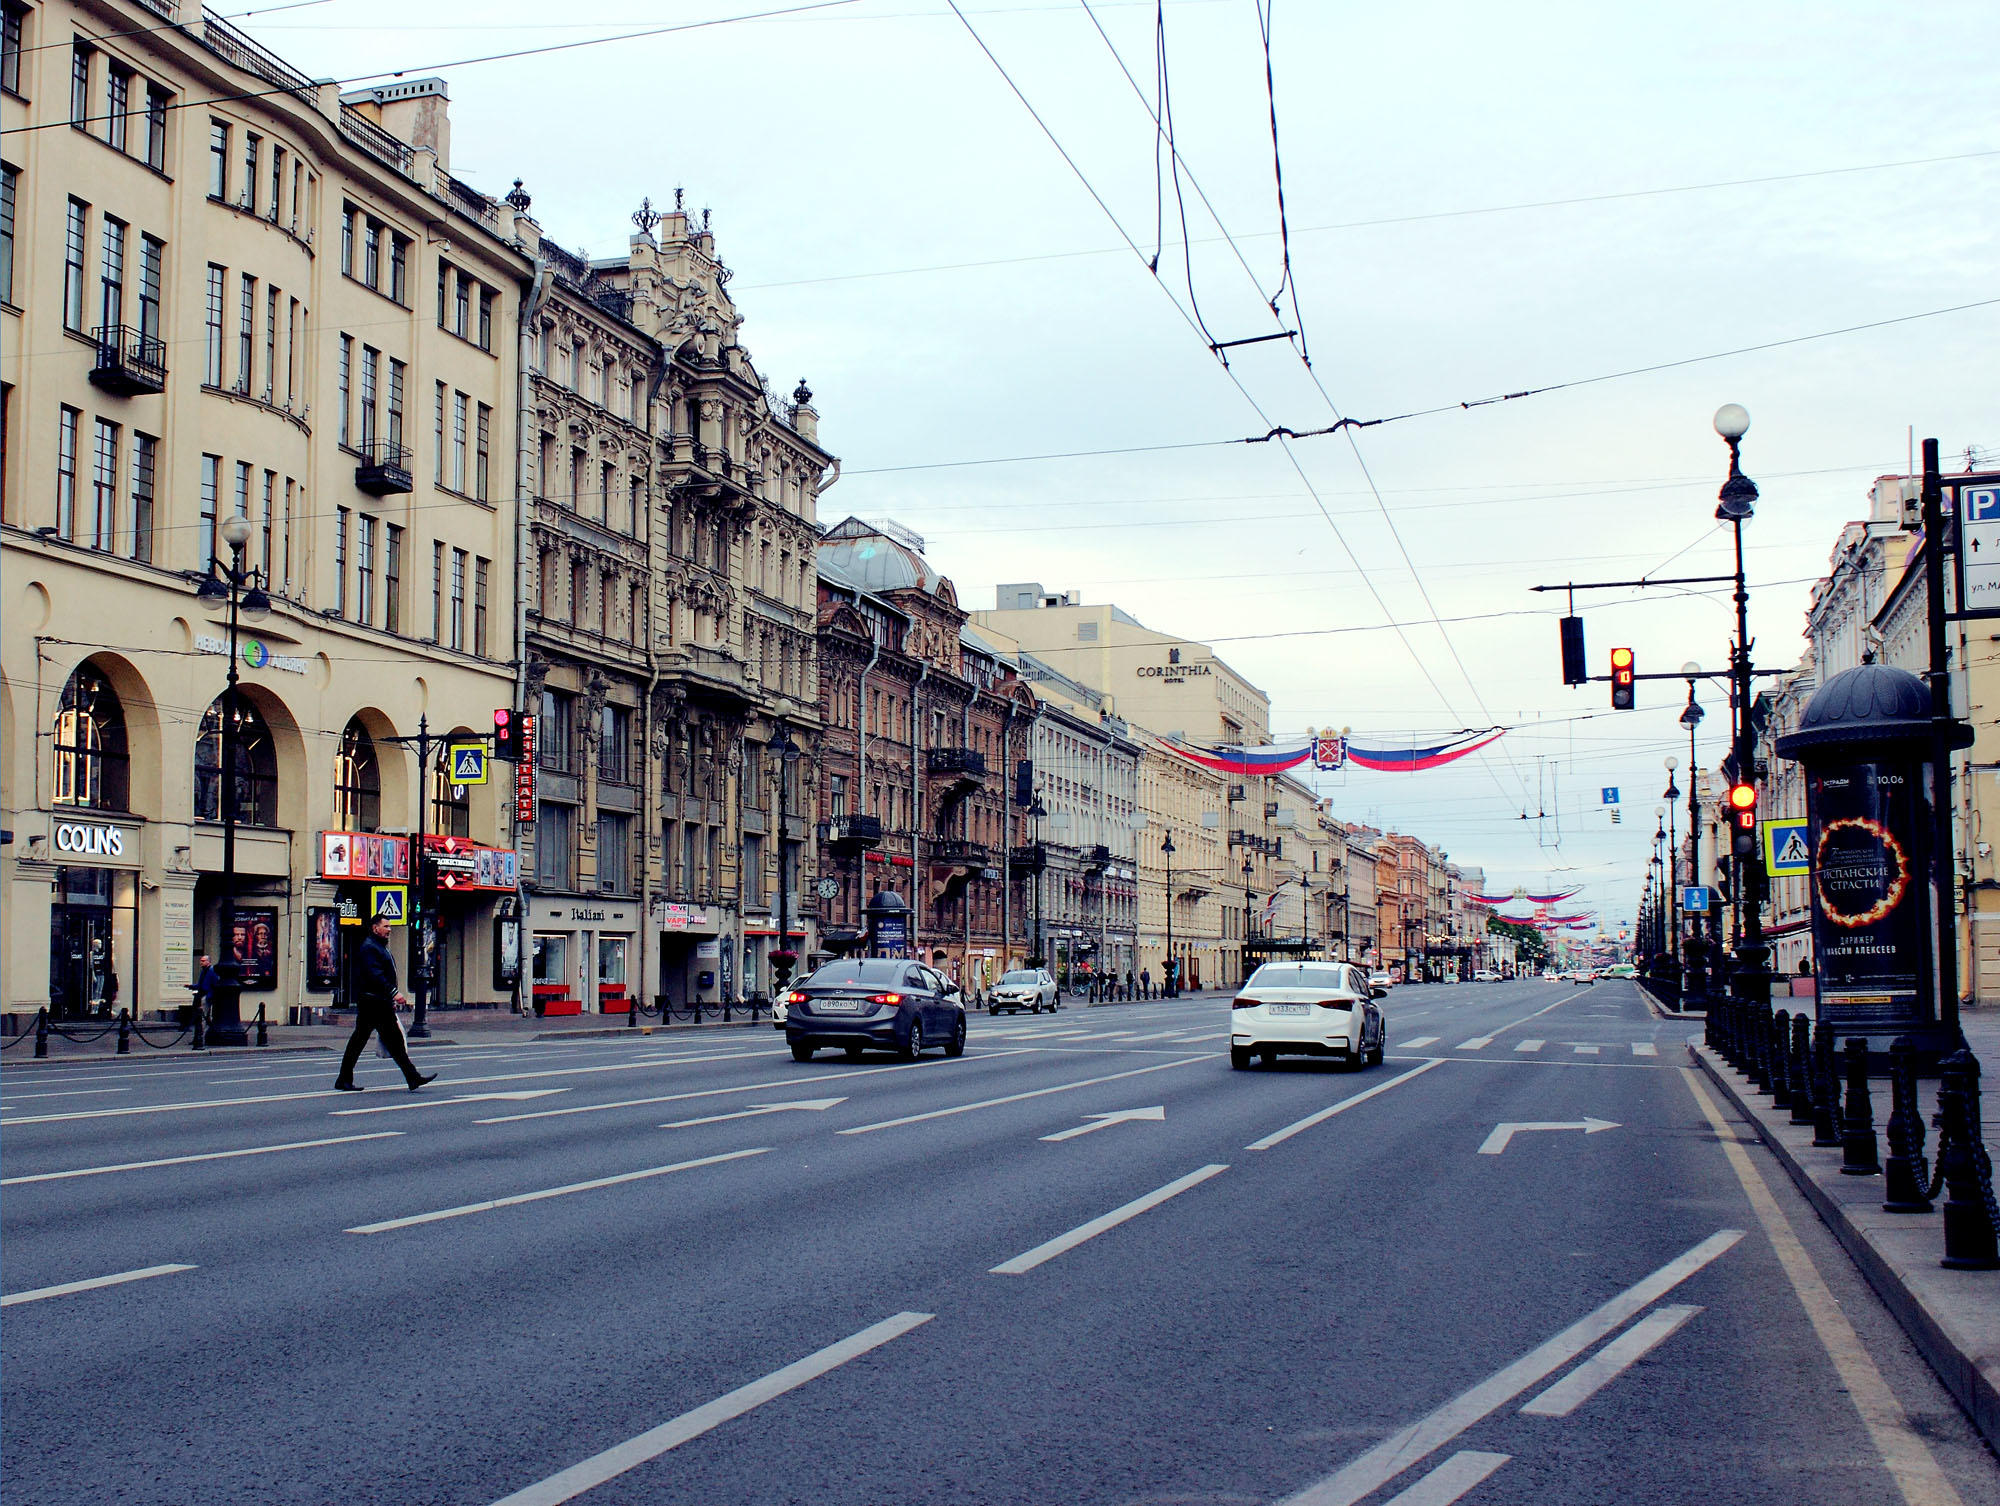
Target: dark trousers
(376, 1019)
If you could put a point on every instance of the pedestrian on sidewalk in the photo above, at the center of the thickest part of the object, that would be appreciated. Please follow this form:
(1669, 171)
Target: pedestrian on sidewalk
(375, 1004)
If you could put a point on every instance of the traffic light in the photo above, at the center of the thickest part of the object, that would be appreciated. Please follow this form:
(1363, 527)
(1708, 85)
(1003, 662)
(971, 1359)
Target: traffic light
(1621, 679)
(505, 744)
(1743, 819)
(1575, 668)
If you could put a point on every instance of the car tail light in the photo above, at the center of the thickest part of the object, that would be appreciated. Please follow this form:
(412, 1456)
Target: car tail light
(885, 998)
(1241, 1002)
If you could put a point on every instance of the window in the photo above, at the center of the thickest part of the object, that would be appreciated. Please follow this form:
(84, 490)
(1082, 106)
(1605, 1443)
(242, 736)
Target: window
(459, 403)
(343, 386)
(73, 244)
(10, 47)
(218, 159)
(89, 744)
(396, 369)
(614, 745)
(66, 474)
(392, 578)
(341, 515)
(211, 371)
(117, 101)
(482, 453)
(104, 488)
(7, 183)
(145, 455)
(251, 142)
(555, 846)
(485, 320)
(79, 84)
(555, 733)
(255, 795)
(614, 854)
(364, 569)
(480, 570)
(211, 491)
(399, 267)
(152, 258)
(357, 781)
(246, 332)
(157, 100)
(458, 598)
(111, 274)
(371, 362)
(437, 592)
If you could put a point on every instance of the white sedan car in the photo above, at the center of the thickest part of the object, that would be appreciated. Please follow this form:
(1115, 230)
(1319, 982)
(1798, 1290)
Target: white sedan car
(1029, 988)
(1307, 1009)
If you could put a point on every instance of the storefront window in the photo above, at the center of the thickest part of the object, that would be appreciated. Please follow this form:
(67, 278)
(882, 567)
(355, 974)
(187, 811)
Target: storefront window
(256, 767)
(357, 781)
(89, 745)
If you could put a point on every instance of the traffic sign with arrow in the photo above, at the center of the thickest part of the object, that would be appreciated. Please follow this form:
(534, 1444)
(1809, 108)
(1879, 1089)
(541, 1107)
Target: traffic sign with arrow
(807, 1105)
(1153, 1115)
(1502, 1133)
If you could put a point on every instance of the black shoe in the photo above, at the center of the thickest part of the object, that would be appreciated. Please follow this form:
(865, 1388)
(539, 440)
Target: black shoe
(421, 1079)
(348, 1087)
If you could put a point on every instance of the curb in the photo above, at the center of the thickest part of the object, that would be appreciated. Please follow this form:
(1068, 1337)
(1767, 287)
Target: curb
(1911, 1291)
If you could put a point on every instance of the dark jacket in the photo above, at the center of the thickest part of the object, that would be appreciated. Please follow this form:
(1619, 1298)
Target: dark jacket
(375, 976)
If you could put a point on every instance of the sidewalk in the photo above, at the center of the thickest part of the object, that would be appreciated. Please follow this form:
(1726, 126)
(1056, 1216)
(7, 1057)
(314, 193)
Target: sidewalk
(1953, 1316)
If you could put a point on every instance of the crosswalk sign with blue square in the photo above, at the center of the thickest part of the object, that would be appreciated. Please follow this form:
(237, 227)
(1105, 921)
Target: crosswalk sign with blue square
(467, 762)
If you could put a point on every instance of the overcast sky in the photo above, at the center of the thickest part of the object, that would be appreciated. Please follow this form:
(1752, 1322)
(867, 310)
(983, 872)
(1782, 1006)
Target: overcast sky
(904, 235)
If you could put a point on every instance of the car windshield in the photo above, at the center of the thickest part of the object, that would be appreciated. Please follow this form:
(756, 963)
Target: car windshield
(1297, 975)
(1017, 976)
(865, 970)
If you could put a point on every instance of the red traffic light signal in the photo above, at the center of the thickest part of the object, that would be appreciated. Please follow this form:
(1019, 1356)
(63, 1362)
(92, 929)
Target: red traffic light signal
(1621, 679)
(504, 743)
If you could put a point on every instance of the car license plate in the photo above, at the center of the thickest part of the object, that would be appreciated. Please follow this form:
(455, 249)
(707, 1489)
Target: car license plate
(836, 1006)
(1291, 1008)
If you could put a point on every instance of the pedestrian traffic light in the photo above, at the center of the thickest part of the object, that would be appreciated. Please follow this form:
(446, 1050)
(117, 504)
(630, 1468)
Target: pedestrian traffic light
(1621, 679)
(504, 743)
(1743, 819)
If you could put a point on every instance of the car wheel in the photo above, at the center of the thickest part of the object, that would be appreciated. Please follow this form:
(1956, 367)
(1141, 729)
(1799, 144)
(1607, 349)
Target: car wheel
(1239, 1058)
(956, 1045)
(801, 1052)
(913, 1047)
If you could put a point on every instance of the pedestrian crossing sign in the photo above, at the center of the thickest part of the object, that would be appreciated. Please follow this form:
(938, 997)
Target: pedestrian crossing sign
(388, 902)
(1787, 853)
(468, 763)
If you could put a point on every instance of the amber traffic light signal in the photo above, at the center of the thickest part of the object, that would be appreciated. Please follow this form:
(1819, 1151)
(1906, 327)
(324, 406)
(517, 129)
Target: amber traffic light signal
(1621, 679)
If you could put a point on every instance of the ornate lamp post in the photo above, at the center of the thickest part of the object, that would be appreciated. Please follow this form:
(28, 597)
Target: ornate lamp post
(244, 591)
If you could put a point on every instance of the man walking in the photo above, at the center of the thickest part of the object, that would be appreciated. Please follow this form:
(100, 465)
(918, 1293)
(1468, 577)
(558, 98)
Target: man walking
(376, 999)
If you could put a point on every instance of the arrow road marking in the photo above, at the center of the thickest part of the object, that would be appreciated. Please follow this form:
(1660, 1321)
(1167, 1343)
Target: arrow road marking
(519, 1095)
(1154, 1115)
(810, 1105)
(1502, 1133)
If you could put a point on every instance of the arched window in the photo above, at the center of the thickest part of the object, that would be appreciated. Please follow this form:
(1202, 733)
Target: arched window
(357, 781)
(91, 768)
(256, 766)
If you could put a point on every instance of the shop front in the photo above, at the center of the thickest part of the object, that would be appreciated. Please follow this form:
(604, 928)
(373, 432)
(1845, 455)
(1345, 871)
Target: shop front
(582, 955)
(690, 953)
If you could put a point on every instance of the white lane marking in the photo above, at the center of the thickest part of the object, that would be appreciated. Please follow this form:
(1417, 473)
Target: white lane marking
(1049, 1250)
(1450, 1480)
(1155, 1115)
(988, 1103)
(518, 1095)
(1411, 1445)
(8, 1103)
(1589, 1051)
(594, 1471)
(1278, 1136)
(1644, 1048)
(548, 1192)
(797, 1105)
(212, 1155)
(744, 1087)
(1496, 1143)
(1417, 1041)
(1530, 1045)
(91, 1285)
(1477, 1043)
(1610, 1362)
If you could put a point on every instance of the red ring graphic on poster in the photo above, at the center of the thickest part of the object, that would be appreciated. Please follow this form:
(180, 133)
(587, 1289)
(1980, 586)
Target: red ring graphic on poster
(1892, 895)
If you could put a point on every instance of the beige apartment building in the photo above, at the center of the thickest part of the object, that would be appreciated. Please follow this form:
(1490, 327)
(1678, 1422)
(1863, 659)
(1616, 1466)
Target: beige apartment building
(232, 300)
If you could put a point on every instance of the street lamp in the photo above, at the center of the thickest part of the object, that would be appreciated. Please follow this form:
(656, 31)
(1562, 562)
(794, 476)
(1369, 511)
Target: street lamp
(1167, 967)
(1248, 869)
(244, 591)
(783, 956)
(1736, 506)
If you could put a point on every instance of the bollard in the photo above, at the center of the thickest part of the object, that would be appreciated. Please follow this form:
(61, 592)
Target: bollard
(263, 1030)
(1780, 1055)
(1971, 1219)
(1906, 1172)
(1858, 1157)
(124, 1032)
(1826, 1092)
(41, 1032)
(1802, 1072)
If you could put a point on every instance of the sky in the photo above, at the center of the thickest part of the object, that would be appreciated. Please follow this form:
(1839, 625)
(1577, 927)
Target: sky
(1480, 200)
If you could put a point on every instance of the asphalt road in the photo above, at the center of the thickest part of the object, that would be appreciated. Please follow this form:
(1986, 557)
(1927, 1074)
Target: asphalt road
(692, 1270)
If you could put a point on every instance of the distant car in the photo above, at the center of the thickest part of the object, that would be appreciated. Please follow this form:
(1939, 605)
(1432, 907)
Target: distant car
(1029, 988)
(1307, 1009)
(1381, 980)
(874, 1001)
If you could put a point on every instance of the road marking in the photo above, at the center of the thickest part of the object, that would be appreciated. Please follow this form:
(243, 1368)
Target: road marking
(1412, 1444)
(213, 1155)
(1530, 1045)
(797, 1105)
(1154, 1115)
(1042, 1253)
(1451, 1479)
(8, 1103)
(1477, 1043)
(548, 1192)
(1588, 1050)
(91, 1285)
(594, 1471)
(1421, 1040)
(988, 1103)
(1904, 1454)
(1276, 1136)
(1496, 1143)
(1644, 1048)
(1610, 1362)
(519, 1095)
